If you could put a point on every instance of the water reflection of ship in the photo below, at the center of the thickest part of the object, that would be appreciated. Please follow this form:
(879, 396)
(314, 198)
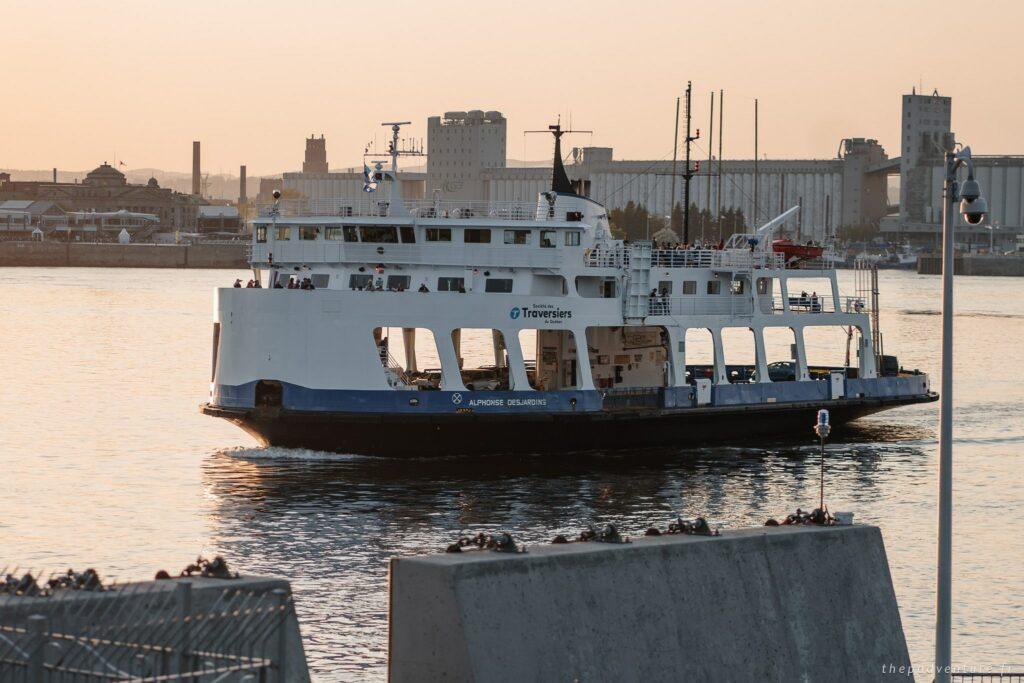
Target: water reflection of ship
(538, 490)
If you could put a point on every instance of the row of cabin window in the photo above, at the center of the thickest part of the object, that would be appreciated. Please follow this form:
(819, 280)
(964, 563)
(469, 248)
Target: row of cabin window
(391, 234)
(713, 287)
(398, 283)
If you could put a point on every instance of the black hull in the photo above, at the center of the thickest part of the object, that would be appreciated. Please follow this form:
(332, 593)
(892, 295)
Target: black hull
(489, 433)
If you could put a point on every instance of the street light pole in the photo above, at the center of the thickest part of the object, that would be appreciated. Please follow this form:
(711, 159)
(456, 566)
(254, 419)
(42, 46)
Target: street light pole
(973, 207)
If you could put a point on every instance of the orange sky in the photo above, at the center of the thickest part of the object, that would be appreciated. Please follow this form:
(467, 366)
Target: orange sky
(142, 79)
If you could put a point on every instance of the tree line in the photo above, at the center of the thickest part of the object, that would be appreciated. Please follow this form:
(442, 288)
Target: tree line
(635, 222)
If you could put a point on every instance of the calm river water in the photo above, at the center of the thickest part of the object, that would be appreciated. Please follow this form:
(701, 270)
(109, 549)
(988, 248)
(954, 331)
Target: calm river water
(105, 461)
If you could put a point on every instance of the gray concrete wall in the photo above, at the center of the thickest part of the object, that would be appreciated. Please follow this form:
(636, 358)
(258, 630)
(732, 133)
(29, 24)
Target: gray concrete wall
(930, 264)
(81, 254)
(767, 604)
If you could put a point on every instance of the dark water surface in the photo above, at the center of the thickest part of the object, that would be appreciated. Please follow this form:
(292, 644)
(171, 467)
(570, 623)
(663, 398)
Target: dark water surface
(105, 462)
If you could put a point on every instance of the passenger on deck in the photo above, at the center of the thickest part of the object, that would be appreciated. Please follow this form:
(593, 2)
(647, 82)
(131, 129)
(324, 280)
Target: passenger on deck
(238, 283)
(278, 285)
(423, 288)
(462, 288)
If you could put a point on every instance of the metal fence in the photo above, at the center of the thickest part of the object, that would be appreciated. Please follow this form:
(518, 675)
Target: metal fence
(154, 631)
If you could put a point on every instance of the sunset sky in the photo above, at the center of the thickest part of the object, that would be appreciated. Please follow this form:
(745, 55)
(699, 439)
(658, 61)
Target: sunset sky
(138, 81)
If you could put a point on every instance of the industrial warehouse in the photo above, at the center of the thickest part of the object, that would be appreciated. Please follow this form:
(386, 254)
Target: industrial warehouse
(900, 198)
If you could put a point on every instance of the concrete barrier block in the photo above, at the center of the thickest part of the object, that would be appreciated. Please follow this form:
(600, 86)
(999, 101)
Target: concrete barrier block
(765, 604)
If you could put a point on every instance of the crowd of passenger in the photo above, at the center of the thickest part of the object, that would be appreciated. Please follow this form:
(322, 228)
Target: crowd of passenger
(694, 246)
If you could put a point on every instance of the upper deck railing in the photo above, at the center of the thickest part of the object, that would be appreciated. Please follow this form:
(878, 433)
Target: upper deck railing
(735, 259)
(819, 303)
(379, 207)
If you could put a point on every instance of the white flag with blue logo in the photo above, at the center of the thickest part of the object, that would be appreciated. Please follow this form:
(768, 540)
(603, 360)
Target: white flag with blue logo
(369, 180)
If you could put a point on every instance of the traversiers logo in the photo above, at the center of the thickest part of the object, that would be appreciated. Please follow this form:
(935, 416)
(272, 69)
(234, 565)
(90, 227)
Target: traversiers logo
(541, 313)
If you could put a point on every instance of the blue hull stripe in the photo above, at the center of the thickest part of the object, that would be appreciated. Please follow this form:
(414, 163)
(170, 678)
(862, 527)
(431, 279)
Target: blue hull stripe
(295, 397)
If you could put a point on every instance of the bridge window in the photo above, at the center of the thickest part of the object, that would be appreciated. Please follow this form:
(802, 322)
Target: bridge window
(408, 234)
(517, 237)
(547, 238)
(308, 234)
(320, 280)
(351, 233)
(476, 236)
(386, 234)
(665, 287)
(689, 286)
(714, 286)
(284, 233)
(572, 238)
(739, 286)
(439, 234)
(261, 234)
(451, 284)
(332, 233)
(503, 286)
(359, 281)
(399, 283)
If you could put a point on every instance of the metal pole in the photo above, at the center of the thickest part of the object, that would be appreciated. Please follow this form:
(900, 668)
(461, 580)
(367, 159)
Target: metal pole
(718, 191)
(675, 151)
(944, 583)
(687, 175)
(756, 179)
(711, 146)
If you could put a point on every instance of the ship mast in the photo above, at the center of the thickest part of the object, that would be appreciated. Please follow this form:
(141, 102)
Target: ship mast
(396, 205)
(690, 171)
(559, 178)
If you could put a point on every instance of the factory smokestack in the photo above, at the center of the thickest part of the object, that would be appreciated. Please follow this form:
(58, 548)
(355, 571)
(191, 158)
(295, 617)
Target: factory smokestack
(54, 176)
(241, 184)
(196, 186)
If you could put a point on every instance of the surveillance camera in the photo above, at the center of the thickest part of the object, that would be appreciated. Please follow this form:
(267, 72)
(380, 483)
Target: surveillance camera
(974, 212)
(970, 190)
(277, 194)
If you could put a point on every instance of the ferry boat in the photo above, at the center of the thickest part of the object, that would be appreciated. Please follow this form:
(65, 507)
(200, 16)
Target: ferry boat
(305, 359)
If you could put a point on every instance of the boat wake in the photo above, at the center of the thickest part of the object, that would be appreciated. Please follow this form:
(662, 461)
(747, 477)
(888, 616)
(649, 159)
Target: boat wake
(966, 314)
(277, 453)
